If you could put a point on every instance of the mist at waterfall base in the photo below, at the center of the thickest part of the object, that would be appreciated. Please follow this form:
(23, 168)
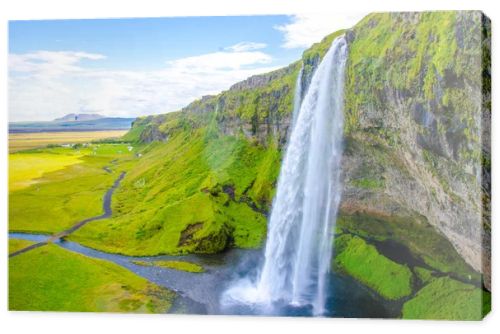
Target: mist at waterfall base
(294, 276)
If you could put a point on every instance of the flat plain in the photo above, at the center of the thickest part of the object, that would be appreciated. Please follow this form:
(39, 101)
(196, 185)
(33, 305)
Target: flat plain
(24, 141)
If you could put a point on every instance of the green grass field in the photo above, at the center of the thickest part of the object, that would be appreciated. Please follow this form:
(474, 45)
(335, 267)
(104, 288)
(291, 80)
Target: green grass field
(26, 168)
(62, 185)
(53, 279)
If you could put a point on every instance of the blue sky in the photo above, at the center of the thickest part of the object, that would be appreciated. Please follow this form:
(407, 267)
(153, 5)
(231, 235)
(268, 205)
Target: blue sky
(149, 43)
(134, 67)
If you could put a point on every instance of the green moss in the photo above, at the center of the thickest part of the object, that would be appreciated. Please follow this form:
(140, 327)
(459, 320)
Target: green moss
(447, 299)
(367, 183)
(424, 275)
(412, 54)
(177, 265)
(422, 240)
(364, 263)
(50, 278)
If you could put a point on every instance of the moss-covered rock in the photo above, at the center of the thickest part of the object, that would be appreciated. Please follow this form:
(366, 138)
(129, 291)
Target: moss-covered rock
(362, 261)
(448, 299)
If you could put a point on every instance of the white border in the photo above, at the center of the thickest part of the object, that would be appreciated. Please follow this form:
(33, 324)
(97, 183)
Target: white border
(74, 323)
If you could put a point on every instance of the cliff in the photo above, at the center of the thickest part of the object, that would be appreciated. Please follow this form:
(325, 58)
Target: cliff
(416, 162)
(418, 124)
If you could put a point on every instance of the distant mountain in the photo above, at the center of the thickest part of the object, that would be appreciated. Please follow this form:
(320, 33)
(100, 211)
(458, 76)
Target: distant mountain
(67, 123)
(78, 117)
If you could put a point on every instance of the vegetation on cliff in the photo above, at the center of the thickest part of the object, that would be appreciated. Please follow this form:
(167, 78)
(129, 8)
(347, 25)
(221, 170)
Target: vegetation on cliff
(415, 114)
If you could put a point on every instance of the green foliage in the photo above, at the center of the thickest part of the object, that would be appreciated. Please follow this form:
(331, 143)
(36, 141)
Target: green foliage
(50, 278)
(177, 265)
(448, 299)
(363, 262)
(265, 104)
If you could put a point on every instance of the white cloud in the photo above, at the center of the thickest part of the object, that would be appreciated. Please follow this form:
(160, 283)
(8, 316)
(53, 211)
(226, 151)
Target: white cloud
(306, 29)
(45, 85)
(219, 61)
(246, 46)
(49, 62)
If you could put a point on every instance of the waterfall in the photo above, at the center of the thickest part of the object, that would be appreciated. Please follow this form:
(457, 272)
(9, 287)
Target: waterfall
(297, 98)
(301, 226)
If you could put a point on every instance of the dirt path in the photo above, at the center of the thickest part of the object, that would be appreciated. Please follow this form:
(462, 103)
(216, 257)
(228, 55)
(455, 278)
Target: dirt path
(106, 206)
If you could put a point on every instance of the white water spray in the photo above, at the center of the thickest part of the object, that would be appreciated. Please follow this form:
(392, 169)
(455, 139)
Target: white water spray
(300, 230)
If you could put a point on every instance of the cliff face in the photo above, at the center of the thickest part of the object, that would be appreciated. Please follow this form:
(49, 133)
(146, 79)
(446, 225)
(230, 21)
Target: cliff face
(416, 146)
(417, 123)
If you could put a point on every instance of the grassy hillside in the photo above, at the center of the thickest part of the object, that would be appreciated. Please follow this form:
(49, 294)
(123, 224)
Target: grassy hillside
(199, 192)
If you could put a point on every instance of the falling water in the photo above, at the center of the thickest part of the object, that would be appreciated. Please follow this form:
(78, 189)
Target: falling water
(300, 230)
(297, 98)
